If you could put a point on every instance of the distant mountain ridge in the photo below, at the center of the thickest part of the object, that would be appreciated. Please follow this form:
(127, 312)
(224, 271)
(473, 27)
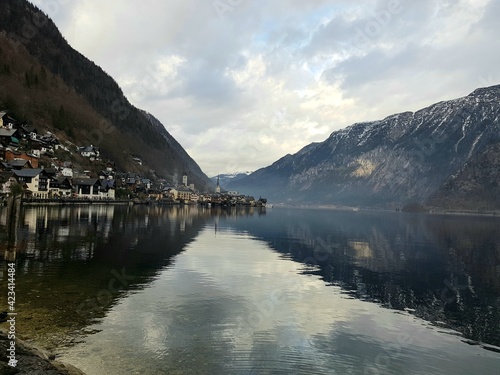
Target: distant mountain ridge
(96, 111)
(404, 158)
(226, 178)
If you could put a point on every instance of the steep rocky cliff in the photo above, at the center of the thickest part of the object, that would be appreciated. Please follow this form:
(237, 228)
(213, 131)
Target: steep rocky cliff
(404, 158)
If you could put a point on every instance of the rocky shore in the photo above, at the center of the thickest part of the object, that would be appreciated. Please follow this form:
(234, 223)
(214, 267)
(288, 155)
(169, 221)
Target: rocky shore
(31, 360)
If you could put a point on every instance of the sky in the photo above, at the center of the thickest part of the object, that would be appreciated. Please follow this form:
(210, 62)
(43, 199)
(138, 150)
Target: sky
(242, 83)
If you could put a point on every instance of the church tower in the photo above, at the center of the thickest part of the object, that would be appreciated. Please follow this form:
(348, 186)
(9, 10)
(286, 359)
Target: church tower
(217, 189)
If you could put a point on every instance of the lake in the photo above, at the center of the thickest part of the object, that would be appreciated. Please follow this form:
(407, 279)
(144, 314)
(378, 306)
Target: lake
(191, 290)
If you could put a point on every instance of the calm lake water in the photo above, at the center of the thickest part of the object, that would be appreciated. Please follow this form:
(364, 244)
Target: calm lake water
(186, 290)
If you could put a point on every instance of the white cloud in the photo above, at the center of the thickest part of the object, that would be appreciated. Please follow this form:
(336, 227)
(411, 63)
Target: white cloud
(241, 89)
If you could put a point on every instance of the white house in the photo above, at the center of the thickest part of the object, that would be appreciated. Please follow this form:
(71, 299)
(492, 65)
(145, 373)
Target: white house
(107, 189)
(61, 187)
(35, 153)
(146, 182)
(87, 187)
(34, 181)
(173, 192)
(183, 193)
(89, 152)
(6, 181)
(67, 172)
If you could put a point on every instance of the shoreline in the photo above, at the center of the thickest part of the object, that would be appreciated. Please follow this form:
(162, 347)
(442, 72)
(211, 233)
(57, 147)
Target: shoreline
(32, 359)
(430, 211)
(72, 202)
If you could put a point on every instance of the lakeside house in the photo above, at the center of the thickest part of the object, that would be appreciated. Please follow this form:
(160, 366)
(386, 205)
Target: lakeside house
(107, 189)
(87, 187)
(61, 187)
(22, 146)
(35, 181)
(184, 193)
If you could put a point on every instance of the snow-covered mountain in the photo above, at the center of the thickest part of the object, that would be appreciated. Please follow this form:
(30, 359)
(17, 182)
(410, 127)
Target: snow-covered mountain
(226, 178)
(405, 158)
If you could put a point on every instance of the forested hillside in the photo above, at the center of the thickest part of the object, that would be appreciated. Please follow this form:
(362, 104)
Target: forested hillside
(45, 82)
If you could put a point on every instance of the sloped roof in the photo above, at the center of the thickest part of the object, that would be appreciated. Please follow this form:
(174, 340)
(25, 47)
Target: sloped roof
(7, 132)
(51, 171)
(85, 181)
(27, 172)
(18, 163)
(61, 182)
(88, 149)
(28, 128)
(4, 176)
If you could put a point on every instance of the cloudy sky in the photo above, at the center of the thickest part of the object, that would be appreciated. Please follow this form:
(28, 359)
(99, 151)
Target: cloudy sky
(241, 83)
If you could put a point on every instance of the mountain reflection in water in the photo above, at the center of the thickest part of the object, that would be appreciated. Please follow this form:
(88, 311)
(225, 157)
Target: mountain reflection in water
(445, 269)
(197, 290)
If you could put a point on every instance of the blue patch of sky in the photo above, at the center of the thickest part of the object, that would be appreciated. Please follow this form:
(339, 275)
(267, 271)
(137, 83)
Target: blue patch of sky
(309, 22)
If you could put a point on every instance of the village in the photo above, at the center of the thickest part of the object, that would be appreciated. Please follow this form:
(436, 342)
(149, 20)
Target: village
(56, 180)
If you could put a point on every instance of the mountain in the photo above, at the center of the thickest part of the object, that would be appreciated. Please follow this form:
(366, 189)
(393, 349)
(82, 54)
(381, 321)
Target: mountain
(405, 158)
(47, 83)
(475, 186)
(227, 178)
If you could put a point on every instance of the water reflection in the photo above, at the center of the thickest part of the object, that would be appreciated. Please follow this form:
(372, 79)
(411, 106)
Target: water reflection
(193, 290)
(445, 269)
(229, 305)
(74, 263)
